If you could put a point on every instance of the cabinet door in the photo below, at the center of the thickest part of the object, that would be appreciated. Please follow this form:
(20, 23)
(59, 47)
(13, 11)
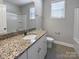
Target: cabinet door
(38, 50)
(33, 52)
(3, 25)
(24, 56)
(43, 46)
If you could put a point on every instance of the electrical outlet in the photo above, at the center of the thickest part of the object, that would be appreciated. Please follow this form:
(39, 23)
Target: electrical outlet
(57, 33)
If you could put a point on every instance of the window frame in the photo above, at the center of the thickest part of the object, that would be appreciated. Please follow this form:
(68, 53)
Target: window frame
(32, 16)
(52, 15)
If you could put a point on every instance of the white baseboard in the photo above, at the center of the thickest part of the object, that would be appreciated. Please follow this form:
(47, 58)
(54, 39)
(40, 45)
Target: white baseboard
(63, 43)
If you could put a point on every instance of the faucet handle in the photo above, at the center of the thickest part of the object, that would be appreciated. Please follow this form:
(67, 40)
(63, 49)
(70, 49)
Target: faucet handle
(25, 32)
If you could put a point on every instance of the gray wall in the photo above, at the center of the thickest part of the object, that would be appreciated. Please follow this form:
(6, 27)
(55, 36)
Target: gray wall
(1, 1)
(60, 29)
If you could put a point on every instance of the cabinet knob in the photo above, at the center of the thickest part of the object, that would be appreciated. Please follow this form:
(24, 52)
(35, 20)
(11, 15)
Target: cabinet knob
(39, 50)
(5, 28)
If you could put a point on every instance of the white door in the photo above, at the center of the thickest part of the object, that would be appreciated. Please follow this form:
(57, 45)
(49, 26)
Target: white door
(76, 30)
(3, 22)
(76, 24)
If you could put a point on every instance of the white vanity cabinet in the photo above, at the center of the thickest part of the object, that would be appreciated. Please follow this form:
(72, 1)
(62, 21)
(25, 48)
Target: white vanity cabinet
(24, 55)
(3, 21)
(38, 50)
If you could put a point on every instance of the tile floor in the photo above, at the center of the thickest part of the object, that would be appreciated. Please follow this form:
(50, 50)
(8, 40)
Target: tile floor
(61, 52)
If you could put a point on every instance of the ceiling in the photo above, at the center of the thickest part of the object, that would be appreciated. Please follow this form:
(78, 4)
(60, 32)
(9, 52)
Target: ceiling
(20, 2)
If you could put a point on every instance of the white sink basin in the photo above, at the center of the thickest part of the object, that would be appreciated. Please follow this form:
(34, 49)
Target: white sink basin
(31, 38)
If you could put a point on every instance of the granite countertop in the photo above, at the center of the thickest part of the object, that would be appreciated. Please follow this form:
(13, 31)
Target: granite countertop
(14, 46)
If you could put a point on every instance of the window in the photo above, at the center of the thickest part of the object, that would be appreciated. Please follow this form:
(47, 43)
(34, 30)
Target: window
(32, 13)
(58, 9)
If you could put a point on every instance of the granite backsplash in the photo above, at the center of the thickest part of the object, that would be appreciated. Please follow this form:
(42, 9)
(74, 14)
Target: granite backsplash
(8, 35)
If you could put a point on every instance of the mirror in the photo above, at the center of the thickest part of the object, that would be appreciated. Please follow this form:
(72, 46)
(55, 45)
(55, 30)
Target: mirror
(28, 13)
(20, 16)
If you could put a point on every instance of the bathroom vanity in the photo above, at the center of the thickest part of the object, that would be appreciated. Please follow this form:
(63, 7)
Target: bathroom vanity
(37, 51)
(18, 48)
